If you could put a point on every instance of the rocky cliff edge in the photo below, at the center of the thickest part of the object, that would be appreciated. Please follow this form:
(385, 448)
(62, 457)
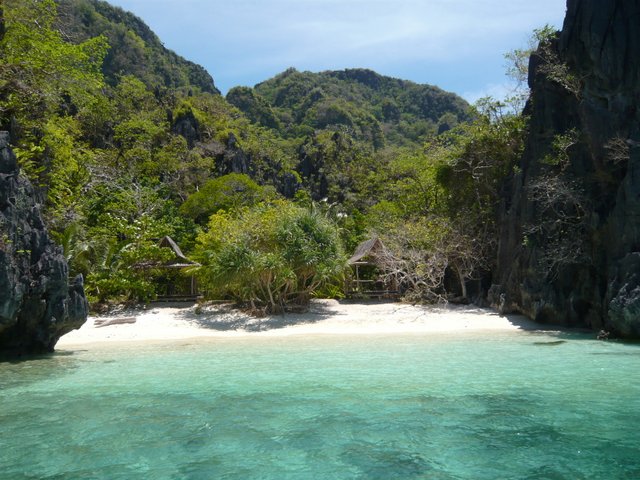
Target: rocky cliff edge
(37, 304)
(570, 243)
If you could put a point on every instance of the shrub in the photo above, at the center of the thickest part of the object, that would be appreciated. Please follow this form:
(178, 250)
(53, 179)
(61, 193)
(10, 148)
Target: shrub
(270, 256)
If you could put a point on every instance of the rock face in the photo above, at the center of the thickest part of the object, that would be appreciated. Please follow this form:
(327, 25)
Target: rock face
(570, 239)
(230, 157)
(37, 305)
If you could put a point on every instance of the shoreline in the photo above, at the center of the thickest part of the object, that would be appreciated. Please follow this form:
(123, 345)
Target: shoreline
(174, 322)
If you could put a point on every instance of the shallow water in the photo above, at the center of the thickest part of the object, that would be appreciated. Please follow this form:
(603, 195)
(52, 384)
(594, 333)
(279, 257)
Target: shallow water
(522, 405)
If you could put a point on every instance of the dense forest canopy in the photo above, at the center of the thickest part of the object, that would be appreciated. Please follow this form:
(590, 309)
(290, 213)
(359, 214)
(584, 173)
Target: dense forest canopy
(128, 142)
(378, 109)
(133, 48)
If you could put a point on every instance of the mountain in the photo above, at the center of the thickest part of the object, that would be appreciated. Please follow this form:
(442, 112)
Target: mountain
(125, 143)
(570, 242)
(134, 48)
(378, 109)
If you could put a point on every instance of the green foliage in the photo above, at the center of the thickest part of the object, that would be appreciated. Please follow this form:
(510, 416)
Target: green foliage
(559, 155)
(40, 73)
(123, 225)
(229, 192)
(544, 34)
(48, 88)
(336, 167)
(518, 59)
(135, 48)
(377, 108)
(414, 179)
(481, 155)
(439, 207)
(132, 143)
(132, 97)
(253, 106)
(68, 171)
(77, 250)
(542, 43)
(345, 126)
(271, 255)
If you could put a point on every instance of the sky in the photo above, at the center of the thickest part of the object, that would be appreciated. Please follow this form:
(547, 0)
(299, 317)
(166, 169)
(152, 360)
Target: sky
(458, 45)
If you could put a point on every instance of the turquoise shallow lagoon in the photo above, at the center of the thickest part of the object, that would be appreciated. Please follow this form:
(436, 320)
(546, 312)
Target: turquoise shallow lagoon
(513, 405)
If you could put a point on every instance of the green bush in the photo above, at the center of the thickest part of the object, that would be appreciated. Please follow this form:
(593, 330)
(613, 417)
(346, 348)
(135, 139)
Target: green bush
(228, 192)
(270, 256)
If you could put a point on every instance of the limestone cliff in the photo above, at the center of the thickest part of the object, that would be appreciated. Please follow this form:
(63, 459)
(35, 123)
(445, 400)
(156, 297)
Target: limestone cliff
(570, 243)
(37, 305)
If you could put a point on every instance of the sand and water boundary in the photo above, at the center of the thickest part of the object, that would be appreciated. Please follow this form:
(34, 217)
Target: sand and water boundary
(166, 322)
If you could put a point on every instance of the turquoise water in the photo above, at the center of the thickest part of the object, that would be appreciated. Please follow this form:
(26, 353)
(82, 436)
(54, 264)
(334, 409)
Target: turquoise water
(507, 406)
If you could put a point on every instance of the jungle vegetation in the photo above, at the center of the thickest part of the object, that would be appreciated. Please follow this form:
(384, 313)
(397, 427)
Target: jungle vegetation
(269, 188)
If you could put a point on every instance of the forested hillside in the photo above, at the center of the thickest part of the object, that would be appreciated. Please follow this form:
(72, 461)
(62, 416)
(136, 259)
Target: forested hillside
(269, 189)
(378, 109)
(114, 154)
(133, 48)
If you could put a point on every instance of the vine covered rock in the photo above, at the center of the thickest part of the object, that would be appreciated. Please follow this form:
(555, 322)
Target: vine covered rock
(37, 304)
(570, 239)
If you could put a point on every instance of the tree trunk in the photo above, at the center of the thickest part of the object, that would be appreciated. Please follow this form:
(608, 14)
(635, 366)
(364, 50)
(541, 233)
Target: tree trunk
(463, 284)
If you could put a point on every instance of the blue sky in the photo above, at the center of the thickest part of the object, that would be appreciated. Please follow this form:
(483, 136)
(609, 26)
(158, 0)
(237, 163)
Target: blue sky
(457, 45)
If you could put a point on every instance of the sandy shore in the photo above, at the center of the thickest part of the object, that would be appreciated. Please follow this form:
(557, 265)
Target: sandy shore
(176, 321)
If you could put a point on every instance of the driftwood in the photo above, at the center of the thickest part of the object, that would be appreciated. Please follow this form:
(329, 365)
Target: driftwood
(105, 322)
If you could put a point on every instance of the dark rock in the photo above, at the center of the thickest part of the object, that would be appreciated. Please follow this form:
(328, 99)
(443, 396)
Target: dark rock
(575, 262)
(37, 304)
(624, 290)
(235, 160)
(289, 184)
(187, 125)
(8, 164)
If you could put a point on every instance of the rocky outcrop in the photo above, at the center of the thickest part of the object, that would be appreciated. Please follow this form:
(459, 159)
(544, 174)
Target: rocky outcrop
(37, 305)
(187, 125)
(235, 159)
(570, 238)
(230, 157)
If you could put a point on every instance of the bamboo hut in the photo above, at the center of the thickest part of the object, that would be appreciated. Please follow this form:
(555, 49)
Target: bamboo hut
(173, 281)
(368, 279)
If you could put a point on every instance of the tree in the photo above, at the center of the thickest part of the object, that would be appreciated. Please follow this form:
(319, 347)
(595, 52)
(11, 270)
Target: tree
(39, 71)
(439, 206)
(46, 86)
(542, 43)
(123, 221)
(228, 192)
(269, 256)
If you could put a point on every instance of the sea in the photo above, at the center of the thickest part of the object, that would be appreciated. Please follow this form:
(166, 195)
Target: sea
(487, 405)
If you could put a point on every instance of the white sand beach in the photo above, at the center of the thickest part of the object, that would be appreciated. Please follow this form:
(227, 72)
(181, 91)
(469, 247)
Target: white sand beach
(330, 317)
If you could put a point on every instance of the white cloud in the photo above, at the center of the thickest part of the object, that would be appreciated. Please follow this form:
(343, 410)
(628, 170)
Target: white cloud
(251, 37)
(498, 91)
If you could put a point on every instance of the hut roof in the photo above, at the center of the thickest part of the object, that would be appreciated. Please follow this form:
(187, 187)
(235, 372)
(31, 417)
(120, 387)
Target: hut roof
(371, 247)
(168, 242)
(179, 260)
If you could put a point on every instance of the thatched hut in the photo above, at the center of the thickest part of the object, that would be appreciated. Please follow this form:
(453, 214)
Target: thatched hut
(172, 278)
(367, 264)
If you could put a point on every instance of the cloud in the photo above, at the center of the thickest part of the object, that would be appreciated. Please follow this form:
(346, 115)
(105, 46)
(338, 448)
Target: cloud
(498, 91)
(325, 28)
(248, 38)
